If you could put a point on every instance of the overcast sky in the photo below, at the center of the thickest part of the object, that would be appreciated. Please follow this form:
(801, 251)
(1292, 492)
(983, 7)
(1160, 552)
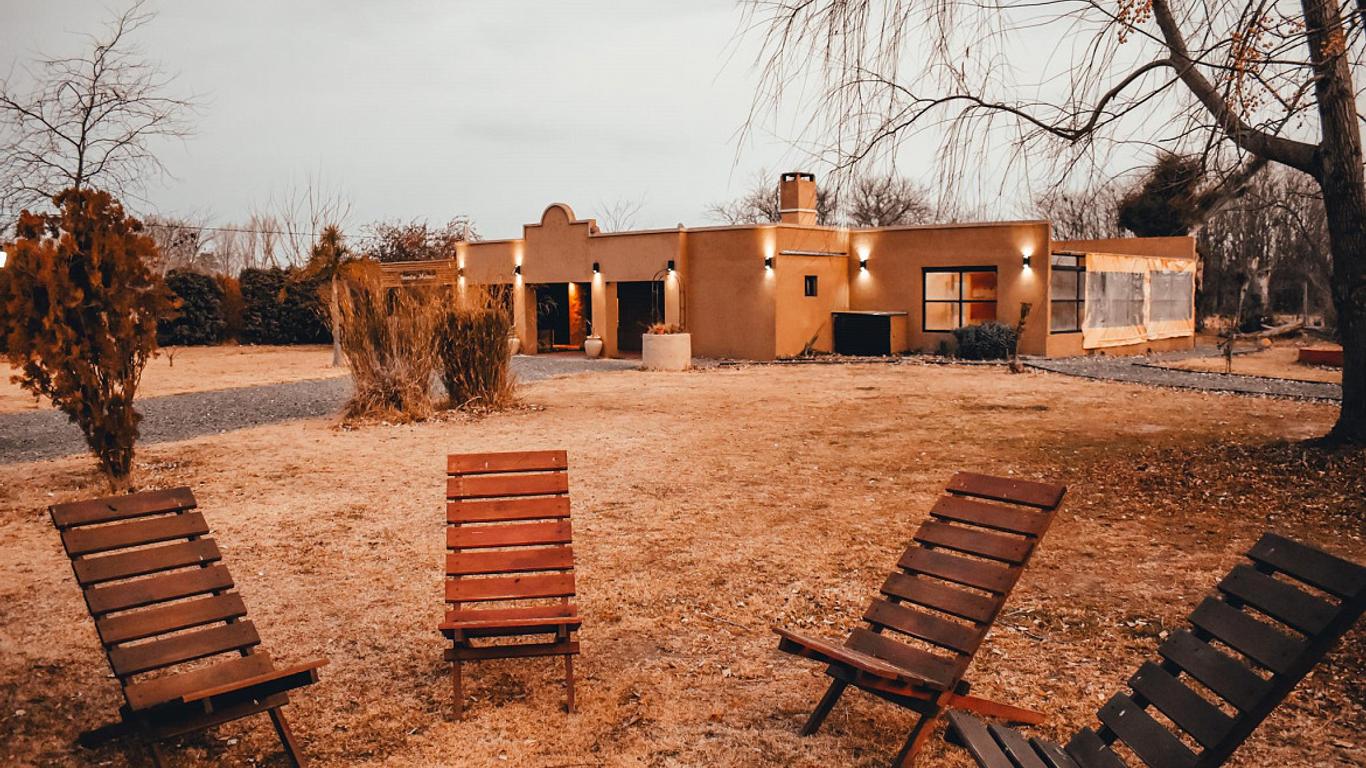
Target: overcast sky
(427, 108)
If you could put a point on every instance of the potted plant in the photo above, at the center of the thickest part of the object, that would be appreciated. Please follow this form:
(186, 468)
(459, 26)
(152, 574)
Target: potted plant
(665, 347)
(514, 342)
(592, 346)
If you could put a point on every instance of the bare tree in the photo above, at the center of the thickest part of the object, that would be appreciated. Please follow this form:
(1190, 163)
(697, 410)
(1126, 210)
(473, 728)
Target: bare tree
(302, 214)
(759, 204)
(1238, 83)
(87, 120)
(180, 241)
(619, 216)
(1089, 214)
(416, 240)
(887, 201)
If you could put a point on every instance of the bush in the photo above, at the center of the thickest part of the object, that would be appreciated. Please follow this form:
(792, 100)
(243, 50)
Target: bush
(472, 342)
(987, 341)
(389, 339)
(281, 307)
(232, 306)
(79, 306)
(198, 318)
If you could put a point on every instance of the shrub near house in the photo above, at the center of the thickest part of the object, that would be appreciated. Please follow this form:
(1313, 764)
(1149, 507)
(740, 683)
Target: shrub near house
(199, 317)
(279, 307)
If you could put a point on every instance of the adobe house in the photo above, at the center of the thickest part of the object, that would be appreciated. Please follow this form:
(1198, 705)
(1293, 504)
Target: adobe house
(764, 291)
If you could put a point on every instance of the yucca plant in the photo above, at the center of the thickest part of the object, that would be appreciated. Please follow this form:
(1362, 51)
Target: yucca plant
(472, 343)
(389, 337)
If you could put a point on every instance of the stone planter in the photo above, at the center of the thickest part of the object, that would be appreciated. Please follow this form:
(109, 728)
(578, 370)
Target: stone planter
(666, 351)
(514, 345)
(592, 347)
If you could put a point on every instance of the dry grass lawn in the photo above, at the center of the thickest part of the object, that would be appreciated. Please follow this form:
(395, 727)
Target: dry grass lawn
(708, 507)
(1276, 362)
(177, 370)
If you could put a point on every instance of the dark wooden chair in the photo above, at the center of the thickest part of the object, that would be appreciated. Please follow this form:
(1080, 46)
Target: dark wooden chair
(1278, 631)
(172, 626)
(509, 564)
(937, 607)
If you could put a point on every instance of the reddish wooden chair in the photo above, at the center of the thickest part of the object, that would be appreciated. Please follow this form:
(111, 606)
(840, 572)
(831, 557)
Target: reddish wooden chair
(939, 604)
(1277, 629)
(509, 564)
(172, 626)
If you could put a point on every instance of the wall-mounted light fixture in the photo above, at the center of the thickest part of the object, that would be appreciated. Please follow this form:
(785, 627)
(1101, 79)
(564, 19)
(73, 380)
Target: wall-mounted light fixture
(671, 265)
(768, 262)
(597, 268)
(863, 264)
(460, 272)
(1026, 261)
(4, 259)
(517, 270)
(1027, 255)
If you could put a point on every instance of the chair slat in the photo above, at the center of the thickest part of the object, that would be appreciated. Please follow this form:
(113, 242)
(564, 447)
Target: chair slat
(974, 736)
(156, 589)
(525, 612)
(1053, 754)
(973, 606)
(961, 638)
(1282, 602)
(1206, 723)
(992, 577)
(510, 588)
(1337, 577)
(492, 486)
(1155, 746)
(177, 649)
(1019, 750)
(1234, 682)
(1246, 635)
(1027, 492)
(520, 461)
(1010, 519)
(137, 625)
(1088, 750)
(506, 510)
(145, 694)
(924, 664)
(111, 508)
(511, 535)
(140, 562)
(461, 563)
(102, 538)
(975, 542)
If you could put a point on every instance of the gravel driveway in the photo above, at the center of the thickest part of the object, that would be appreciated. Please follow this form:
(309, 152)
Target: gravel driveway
(45, 434)
(1141, 370)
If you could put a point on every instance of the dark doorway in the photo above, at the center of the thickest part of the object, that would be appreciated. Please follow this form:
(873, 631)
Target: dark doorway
(863, 333)
(639, 305)
(552, 316)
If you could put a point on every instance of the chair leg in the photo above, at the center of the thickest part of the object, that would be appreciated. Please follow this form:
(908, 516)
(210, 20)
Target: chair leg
(827, 703)
(916, 740)
(459, 691)
(569, 683)
(277, 716)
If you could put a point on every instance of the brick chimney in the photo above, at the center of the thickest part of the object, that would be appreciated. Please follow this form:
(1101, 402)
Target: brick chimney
(797, 198)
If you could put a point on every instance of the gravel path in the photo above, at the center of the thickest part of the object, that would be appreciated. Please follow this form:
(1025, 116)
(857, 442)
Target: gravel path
(1140, 370)
(46, 434)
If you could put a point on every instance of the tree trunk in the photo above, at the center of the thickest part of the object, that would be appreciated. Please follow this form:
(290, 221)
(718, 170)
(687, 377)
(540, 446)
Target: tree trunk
(1340, 175)
(336, 326)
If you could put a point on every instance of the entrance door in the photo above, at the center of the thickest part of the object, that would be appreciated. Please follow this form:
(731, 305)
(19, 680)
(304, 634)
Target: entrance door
(640, 304)
(552, 316)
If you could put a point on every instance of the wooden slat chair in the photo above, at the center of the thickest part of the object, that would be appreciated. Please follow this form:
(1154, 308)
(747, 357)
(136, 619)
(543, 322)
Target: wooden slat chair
(172, 626)
(937, 607)
(509, 561)
(1277, 631)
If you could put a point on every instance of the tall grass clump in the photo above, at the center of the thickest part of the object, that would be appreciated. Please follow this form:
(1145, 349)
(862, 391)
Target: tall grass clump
(472, 343)
(389, 338)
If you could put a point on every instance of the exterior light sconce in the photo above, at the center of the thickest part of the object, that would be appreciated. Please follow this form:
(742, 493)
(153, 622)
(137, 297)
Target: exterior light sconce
(517, 270)
(670, 266)
(768, 262)
(597, 268)
(4, 259)
(1027, 259)
(460, 272)
(863, 264)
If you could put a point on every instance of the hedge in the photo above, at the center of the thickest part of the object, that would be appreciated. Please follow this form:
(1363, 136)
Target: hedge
(198, 317)
(987, 341)
(280, 307)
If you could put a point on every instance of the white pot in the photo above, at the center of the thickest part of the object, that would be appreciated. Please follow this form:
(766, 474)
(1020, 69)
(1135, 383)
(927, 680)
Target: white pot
(666, 351)
(592, 346)
(514, 345)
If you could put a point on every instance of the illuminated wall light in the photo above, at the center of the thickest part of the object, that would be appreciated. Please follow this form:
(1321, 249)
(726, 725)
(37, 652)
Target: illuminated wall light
(768, 263)
(4, 259)
(671, 265)
(1027, 256)
(460, 271)
(863, 264)
(517, 270)
(597, 268)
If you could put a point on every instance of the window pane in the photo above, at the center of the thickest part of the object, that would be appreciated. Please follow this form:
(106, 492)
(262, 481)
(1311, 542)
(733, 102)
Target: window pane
(980, 286)
(941, 316)
(979, 312)
(1065, 316)
(1062, 284)
(941, 286)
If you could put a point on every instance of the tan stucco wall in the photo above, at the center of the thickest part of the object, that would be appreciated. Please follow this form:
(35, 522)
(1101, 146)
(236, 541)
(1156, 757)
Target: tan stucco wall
(896, 258)
(730, 296)
(1166, 247)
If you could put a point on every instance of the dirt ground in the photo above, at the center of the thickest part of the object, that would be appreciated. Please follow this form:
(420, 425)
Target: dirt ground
(708, 507)
(176, 370)
(1275, 362)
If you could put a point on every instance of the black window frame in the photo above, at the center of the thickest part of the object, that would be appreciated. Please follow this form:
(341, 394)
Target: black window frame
(810, 286)
(925, 301)
(1079, 267)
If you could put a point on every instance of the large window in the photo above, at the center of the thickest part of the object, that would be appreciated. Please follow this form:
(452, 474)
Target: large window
(959, 296)
(1067, 292)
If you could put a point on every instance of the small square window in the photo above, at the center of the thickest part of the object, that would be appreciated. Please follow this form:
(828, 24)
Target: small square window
(810, 285)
